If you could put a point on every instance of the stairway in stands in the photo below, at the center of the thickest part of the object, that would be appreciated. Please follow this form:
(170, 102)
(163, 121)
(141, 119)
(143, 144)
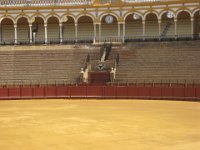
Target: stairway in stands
(100, 64)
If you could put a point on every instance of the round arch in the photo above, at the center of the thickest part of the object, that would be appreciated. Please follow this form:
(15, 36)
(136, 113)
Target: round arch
(151, 25)
(82, 15)
(69, 28)
(53, 29)
(167, 25)
(151, 12)
(195, 11)
(68, 16)
(197, 23)
(38, 15)
(182, 10)
(38, 30)
(108, 13)
(23, 30)
(9, 17)
(7, 30)
(164, 12)
(132, 12)
(50, 16)
(184, 23)
(133, 27)
(22, 16)
(85, 27)
(109, 30)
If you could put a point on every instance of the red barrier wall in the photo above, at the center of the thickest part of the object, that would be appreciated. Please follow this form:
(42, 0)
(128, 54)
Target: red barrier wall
(95, 91)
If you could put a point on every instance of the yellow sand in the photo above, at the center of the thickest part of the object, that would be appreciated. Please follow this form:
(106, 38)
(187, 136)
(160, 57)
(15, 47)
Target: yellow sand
(99, 125)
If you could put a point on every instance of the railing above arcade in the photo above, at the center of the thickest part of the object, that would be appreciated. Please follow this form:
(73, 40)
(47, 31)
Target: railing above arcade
(44, 2)
(102, 40)
(10, 3)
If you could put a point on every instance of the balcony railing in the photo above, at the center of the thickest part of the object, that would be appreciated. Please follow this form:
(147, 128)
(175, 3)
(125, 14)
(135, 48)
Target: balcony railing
(147, 1)
(44, 2)
(69, 2)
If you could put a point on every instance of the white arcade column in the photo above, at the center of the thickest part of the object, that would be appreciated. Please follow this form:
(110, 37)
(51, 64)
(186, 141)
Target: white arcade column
(124, 32)
(45, 32)
(159, 28)
(192, 27)
(61, 32)
(95, 33)
(15, 28)
(76, 32)
(30, 33)
(175, 28)
(143, 29)
(100, 32)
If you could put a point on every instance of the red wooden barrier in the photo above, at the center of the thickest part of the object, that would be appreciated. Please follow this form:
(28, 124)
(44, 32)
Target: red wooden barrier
(198, 92)
(4, 93)
(26, 92)
(178, 92)
(78, 91)
(63, 91)
(190, 92)
(14, 92)
(38, 92)
(167, 92)
(121, 91)
(95, 91)
(156, 92)
(109, 91)
(100, 91)
(50, 91)
(132, 91)
(144, 91)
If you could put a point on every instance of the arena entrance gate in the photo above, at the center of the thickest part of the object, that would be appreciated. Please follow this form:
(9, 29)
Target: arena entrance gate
(99, 77)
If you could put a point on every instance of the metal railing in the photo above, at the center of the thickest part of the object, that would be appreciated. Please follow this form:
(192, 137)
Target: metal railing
(23, 82)
(44, 2)
(109, 39)
(178, 81)
(102, 40)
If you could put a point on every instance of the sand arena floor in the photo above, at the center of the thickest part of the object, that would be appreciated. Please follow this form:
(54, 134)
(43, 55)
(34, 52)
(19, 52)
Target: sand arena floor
(99, 125)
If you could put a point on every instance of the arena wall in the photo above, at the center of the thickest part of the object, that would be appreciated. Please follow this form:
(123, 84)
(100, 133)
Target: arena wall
(176, 92)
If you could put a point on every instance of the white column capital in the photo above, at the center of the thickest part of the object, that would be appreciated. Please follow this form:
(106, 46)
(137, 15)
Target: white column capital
(143, 22)
(159, 21)
(45, 24)
(192, 19)
(15, 25)
(121, 23)
(96, 23)
(175, 19)
(60, 24)
(30, 25)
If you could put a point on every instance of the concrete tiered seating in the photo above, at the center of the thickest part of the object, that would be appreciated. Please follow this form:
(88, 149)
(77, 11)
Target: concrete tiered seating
(41, 64)
(161, 62)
